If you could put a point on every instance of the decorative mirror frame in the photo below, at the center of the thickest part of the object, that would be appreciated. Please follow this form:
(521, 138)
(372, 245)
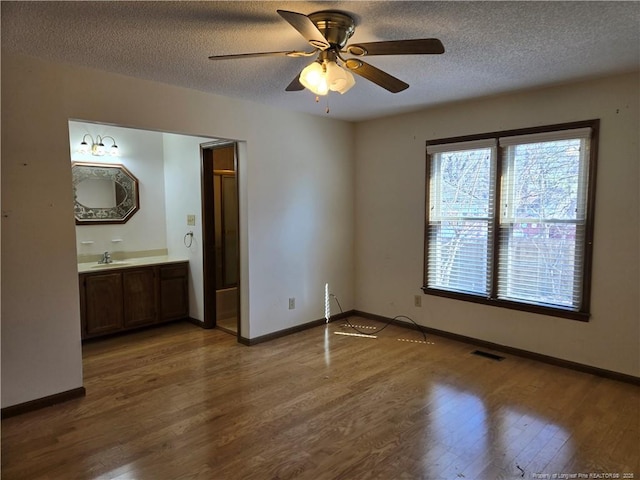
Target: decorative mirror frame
(117, 173)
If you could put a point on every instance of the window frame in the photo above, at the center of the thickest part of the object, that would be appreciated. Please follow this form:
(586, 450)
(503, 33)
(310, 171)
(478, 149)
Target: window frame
(583, 313)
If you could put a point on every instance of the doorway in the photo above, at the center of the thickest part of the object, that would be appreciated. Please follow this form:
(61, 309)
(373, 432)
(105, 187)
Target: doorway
(220, 237)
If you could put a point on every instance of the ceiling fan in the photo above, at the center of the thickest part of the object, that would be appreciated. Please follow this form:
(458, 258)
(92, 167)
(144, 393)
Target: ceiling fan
(327, 32)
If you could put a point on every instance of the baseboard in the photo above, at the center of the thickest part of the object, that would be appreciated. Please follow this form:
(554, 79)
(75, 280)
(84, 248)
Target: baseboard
(289, 331)
(197, 323)
(43, 402)
(558, 362)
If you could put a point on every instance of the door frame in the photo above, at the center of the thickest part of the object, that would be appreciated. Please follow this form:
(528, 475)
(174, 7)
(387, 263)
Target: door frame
(209, 232)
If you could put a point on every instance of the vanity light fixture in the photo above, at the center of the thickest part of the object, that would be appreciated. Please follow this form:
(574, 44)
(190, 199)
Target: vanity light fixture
(97, 147)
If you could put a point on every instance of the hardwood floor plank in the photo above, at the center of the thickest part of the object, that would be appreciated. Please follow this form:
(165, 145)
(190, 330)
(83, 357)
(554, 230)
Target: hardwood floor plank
(180, 402)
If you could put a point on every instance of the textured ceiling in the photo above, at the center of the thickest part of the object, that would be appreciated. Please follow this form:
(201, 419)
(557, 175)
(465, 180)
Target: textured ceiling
(490, 47)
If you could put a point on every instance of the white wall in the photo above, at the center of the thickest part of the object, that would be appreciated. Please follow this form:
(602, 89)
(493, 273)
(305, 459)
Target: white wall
(141, 152)
(390, 195)
(300, 199)
(184, 197)
(296, 209)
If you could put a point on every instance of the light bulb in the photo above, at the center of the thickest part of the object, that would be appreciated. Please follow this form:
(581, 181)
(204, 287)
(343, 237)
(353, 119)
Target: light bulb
(98, 149)
(84, 147)
(322, 88)
(113, 151)
(312, 74)
(314, 78)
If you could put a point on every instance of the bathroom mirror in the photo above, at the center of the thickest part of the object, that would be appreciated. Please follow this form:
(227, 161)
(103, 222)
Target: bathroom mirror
(103, 193)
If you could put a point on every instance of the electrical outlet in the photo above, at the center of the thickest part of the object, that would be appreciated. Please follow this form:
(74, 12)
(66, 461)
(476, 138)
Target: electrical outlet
(191, 220)
(292, 303)
(417, 301)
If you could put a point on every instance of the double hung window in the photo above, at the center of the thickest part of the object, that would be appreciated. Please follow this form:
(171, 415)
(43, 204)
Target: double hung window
(509, 218)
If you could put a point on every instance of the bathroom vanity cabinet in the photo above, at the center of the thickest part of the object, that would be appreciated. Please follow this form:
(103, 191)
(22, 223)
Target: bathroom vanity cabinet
(117, 299)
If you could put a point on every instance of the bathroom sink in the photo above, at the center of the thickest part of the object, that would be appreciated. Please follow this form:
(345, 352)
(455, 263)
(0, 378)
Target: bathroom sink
(111, 265)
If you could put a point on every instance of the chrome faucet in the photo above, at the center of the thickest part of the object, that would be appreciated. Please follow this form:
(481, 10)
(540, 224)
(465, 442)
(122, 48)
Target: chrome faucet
(106, 258)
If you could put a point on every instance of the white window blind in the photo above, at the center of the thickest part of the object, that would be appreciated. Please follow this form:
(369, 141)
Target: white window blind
(569, 134)
(460, 216)
(543, 218)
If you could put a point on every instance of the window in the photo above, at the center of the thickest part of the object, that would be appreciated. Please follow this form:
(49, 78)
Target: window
(510, 218)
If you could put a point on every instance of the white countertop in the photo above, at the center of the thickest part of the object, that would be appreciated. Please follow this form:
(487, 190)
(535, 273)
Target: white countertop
(128, 263)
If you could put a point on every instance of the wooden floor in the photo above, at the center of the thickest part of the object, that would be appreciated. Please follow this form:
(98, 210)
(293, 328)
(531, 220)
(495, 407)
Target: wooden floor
(229, 324)
(179, 402)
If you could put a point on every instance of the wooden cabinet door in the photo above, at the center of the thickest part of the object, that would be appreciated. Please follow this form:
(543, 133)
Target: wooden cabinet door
(139, 292)
(103, 303)
(174, 294)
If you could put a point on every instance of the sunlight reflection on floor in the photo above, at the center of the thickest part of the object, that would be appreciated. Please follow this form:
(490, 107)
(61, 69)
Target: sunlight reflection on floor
(472, 436)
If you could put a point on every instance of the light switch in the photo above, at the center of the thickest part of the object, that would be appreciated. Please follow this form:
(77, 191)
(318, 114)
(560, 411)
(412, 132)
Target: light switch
(191, 220)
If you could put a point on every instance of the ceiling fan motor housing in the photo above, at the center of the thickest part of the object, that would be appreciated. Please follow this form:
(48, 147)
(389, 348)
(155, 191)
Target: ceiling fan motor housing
(336, 27)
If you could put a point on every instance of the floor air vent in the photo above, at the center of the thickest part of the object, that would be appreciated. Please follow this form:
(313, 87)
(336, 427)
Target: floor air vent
(491, 356)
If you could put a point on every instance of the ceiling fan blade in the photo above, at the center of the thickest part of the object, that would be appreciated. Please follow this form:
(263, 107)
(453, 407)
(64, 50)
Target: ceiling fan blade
(397, 47)
(306, 27)
(295, 85)
(377, 76)
(261, 54)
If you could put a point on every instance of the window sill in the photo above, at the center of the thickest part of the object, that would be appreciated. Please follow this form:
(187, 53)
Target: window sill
(524, 307)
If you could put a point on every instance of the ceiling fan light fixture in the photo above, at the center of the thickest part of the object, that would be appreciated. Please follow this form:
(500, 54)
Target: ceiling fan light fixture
(325, 76)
